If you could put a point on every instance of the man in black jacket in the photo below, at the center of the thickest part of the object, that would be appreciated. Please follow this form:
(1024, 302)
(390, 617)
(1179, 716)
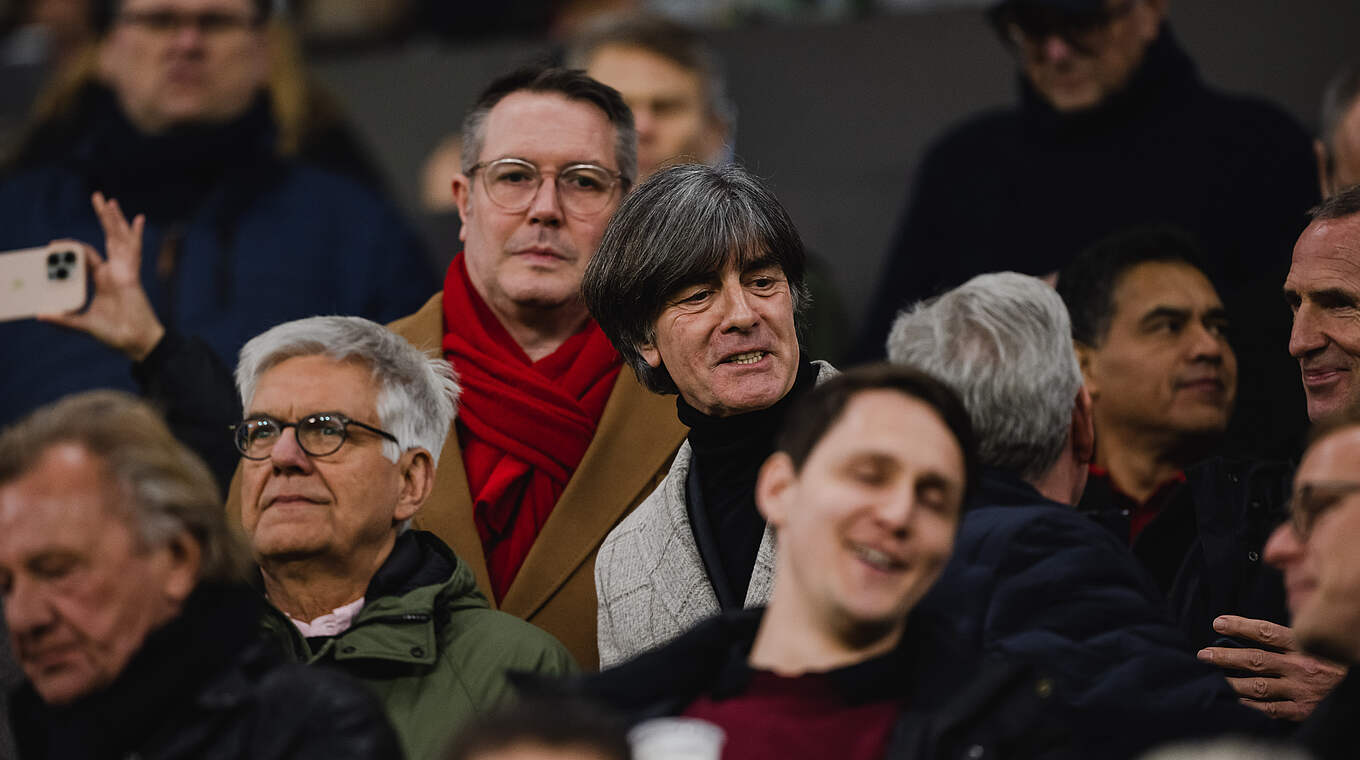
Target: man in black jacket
(125, 600)
(1114, 128)
(864, 492)
(1031, 577)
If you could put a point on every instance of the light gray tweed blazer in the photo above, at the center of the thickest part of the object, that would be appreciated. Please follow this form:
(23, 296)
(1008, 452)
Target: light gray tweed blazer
(649, 577)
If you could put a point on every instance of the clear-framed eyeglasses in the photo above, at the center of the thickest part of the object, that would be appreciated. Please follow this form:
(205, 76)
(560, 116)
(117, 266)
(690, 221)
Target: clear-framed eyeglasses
(318, 434)
(1312, 500)
(582, 189)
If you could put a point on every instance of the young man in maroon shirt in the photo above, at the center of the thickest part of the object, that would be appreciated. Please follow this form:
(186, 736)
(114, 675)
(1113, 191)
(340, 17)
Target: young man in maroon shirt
(864, 491)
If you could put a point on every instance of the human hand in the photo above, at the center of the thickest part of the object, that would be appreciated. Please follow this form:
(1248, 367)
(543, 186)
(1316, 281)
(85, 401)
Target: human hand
(1287, 683)
(119, 314)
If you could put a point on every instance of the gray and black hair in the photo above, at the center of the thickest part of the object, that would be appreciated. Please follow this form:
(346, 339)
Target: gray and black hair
(1344, 204)
(678, 228)
(572, 84)
(672, 41)
(1337, 98)
(1004, 343)
(417, 394)
(161, 486)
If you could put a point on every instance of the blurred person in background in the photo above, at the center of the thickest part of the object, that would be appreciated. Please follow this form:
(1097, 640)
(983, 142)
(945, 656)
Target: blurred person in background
(1125, 678)
(543, 729)
(342, 433)
(675, 85)
(698, 283)
(127, 605)
(1315, 550)
(172, 116)
(1115, 128)
(1338, 143)
(553, 444)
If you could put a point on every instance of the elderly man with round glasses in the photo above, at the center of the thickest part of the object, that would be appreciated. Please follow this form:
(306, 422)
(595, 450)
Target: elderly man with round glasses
(343, 429)
(697, 282)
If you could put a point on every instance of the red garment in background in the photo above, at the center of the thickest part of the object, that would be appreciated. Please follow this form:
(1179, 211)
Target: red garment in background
(523, 425)
(1140, 513)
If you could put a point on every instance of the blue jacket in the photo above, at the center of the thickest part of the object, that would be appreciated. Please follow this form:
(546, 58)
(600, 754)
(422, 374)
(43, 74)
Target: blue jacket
(1035, 581)
(299, 242)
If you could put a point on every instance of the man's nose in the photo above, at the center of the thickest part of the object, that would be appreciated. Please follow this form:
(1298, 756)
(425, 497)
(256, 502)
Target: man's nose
(287, 453)
(1054, 48)
(1306, 336)
(188, 34)
(546, 207)
(1207, 344)
(26, 609)
(738, 313)
(1284, 546)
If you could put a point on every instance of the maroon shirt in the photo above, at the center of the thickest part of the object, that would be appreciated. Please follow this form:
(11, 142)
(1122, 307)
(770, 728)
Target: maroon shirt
(807, 716)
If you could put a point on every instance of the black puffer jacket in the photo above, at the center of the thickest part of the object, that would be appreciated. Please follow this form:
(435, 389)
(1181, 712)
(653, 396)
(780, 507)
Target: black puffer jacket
(203, 687)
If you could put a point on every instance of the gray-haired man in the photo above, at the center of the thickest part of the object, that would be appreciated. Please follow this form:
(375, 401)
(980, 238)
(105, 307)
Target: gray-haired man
(1031, 576)
(344, 422)
(125, 597)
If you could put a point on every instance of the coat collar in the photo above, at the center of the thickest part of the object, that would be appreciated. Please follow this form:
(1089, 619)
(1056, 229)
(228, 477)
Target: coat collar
(637, 433)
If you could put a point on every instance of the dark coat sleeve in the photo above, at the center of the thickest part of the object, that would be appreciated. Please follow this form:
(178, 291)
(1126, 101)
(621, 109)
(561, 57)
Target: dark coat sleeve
(195, 391)
(1056, 590)
(320, 714)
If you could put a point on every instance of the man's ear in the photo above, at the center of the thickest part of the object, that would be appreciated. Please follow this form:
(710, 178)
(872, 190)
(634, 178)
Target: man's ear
(1148, 15)
(1083, 427)
(650, 354)
(462, 197)
(1324, 174)
(417, 481)
(774, 487)
(1086, 359)
(185, 557)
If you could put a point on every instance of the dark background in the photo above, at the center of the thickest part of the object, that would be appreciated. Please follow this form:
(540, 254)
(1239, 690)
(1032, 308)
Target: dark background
(836, 115)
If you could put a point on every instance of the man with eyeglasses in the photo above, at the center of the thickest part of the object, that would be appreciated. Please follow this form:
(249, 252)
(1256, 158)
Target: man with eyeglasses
(173, 118)
(1114, 128)
(344, 423)
(554, 444)
(1316, 551)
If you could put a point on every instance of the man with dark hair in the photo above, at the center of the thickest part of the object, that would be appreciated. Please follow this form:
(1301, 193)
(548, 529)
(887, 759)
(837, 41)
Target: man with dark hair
(1338, 142)
(126, 600)
(698, 282)
(865, 492)
(1152, 338)
(553, 444)
(1110, 108)
(543, 729)
(174, 120)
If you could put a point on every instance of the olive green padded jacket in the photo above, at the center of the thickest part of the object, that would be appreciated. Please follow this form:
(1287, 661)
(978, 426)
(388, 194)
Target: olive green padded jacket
(429, 645)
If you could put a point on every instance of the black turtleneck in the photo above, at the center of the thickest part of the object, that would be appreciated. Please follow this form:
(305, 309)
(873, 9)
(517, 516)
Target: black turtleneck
(720, 490)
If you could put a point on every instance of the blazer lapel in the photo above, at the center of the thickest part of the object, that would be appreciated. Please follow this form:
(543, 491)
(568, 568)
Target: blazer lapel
(637, 434)
(448, 511)
(680, 581)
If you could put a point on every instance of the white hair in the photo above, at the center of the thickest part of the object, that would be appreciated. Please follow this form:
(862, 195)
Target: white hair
(417, 394)
(1003, 342)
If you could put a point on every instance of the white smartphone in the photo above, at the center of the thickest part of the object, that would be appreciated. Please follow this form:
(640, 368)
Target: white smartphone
(46, 280)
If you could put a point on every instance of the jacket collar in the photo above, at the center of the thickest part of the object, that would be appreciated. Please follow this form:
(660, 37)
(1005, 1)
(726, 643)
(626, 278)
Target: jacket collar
(997, 488)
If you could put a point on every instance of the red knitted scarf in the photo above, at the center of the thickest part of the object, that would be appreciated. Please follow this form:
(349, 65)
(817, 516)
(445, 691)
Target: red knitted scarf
(523, 425)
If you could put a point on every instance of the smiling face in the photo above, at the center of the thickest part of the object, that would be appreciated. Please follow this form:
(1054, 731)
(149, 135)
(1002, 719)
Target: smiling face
(668, 104)
(1165, 364)
(1322, 570)
(534, 259)
(81, 593)
(729, 343)
(342, 508)
(1323, 290)
(184, 72)
(867, 525)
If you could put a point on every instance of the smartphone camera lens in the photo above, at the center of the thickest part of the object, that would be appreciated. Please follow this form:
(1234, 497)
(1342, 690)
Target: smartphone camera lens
(69, 257)
(53, 259)
(62, 273)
